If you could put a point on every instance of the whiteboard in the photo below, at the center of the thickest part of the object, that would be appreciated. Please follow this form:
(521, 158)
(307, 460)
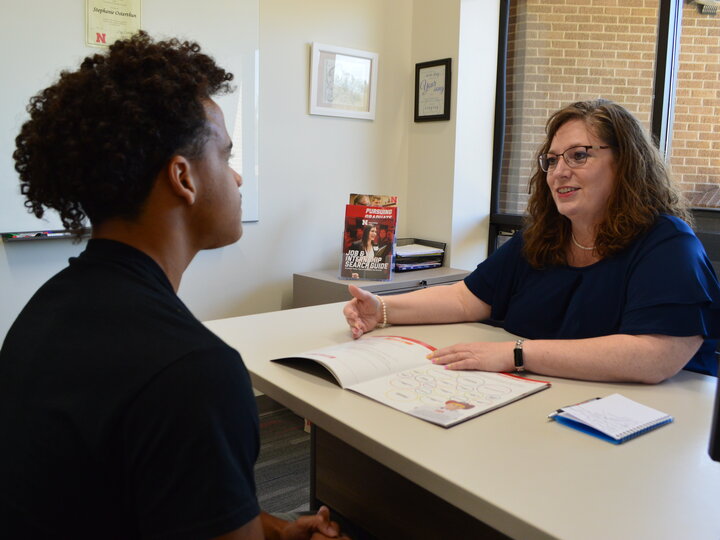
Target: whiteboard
(41, 38)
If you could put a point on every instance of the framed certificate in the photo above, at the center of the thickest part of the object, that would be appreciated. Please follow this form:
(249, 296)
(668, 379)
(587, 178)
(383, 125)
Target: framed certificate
(432, 90)
(106, 21)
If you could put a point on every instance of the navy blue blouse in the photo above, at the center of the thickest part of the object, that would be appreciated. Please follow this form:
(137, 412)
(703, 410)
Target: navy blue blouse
(663, 283)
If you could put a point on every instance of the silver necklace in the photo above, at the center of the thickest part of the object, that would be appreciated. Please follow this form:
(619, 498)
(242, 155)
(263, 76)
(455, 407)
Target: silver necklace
(580, 245)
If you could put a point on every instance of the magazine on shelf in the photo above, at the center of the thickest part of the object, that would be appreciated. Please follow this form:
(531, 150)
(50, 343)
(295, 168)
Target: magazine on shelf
(395, 371)
(368, 242)
(372, 200)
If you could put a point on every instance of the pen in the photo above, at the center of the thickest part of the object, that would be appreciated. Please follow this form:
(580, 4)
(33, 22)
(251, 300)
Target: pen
(553, 414)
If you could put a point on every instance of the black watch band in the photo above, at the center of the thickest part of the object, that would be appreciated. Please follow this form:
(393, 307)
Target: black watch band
(518, 352)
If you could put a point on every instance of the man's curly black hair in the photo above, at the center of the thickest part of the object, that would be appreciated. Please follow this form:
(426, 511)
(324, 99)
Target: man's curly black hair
(97, 138)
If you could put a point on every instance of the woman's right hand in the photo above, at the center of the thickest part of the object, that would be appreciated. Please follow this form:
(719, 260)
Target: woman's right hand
(363, 312)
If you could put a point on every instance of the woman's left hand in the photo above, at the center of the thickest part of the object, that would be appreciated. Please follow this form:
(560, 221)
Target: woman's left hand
(483, 356)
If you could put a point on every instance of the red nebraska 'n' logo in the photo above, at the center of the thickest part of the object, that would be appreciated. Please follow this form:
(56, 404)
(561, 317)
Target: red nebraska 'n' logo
(100, 38)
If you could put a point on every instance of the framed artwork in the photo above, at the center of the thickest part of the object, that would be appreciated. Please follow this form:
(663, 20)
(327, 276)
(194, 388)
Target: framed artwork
(432, 90)
(343, 82)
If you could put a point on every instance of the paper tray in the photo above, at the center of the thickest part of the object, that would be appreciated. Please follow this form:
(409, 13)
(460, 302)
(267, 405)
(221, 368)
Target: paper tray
(422, 261)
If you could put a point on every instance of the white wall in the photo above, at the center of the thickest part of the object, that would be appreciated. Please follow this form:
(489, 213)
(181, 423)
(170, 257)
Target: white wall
(430, 183)
(309, 164)
(474, 132)
(451, 162)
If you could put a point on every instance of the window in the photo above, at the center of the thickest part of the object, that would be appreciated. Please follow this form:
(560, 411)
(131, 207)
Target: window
(557, 52)
(695, 142)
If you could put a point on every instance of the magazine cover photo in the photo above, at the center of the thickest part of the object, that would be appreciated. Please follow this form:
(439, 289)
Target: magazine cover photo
(368, 242)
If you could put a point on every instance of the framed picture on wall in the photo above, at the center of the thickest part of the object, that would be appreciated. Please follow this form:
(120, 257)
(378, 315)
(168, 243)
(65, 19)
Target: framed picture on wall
(432, 90)
(343, 82)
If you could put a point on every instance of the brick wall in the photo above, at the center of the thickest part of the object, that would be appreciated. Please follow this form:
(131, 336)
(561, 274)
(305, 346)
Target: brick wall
(695, 151)
(564, 51)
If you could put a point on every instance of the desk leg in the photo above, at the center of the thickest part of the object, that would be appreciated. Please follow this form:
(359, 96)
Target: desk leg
(314, 503)
(380, 500)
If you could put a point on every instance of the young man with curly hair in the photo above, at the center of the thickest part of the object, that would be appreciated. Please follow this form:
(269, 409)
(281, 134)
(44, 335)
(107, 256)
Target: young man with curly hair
(121, 415)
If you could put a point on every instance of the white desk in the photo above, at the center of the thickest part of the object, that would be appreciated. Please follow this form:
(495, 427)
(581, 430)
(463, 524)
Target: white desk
(512, 469)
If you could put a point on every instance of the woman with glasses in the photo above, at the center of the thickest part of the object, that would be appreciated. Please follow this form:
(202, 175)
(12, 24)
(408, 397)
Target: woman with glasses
(606, 281)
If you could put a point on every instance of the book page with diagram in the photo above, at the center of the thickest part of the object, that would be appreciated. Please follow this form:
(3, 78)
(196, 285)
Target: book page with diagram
(446, 397)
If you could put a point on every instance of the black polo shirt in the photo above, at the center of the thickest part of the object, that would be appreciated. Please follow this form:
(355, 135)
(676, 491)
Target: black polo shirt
(121, 415)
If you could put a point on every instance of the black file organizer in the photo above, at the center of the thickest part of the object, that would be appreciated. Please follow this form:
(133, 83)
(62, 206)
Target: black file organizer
(414, 260)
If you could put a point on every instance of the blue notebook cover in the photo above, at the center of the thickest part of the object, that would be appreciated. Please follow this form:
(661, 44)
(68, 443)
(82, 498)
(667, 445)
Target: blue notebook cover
(600, 435)
(614, 418)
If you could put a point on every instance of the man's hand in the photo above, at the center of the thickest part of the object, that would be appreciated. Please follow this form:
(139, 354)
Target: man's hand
(317, 527)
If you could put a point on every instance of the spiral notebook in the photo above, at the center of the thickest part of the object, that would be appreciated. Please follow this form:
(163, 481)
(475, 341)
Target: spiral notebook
(614, 418)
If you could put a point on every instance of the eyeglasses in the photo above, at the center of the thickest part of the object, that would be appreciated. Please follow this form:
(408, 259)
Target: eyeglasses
(574, 157)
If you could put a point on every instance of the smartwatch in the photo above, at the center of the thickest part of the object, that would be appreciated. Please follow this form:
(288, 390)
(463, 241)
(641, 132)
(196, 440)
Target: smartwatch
(519, 361)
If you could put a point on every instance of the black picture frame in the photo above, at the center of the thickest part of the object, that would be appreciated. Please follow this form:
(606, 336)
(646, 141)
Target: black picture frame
(432, 90)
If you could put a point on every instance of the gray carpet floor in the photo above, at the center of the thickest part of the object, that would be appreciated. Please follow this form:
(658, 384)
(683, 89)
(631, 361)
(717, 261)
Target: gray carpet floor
(282, 472)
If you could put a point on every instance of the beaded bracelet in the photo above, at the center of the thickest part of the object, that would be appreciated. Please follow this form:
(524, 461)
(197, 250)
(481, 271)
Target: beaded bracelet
(384, 323)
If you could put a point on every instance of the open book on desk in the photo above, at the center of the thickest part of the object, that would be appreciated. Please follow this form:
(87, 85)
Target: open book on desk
(395, 371)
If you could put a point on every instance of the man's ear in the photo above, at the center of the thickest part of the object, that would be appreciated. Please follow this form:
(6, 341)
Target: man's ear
(180, 177)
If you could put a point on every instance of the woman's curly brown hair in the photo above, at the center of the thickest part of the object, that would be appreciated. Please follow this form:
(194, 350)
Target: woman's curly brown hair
(642, 189)
(96, 139)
